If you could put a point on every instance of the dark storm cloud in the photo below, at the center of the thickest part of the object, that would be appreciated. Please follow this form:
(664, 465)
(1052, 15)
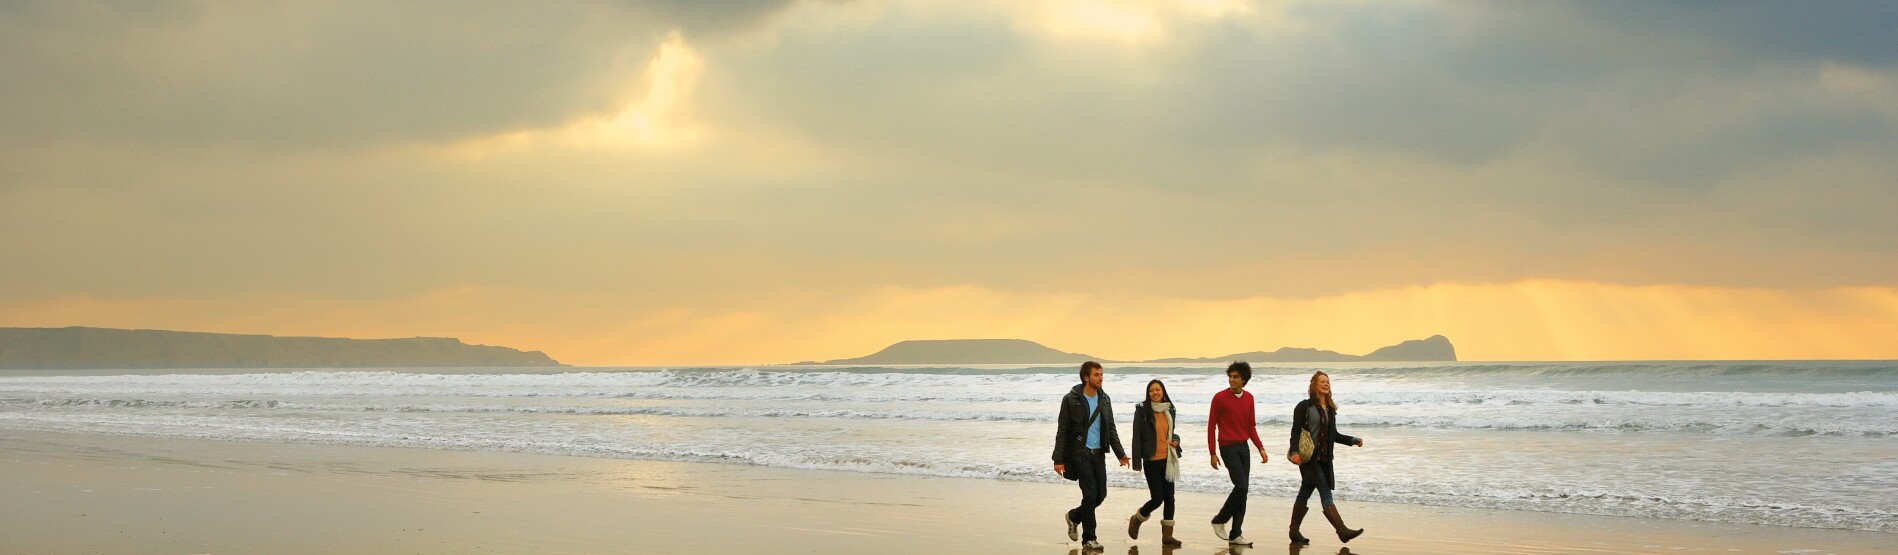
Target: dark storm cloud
(303, 74)
(1622, 138)
(1863, 32)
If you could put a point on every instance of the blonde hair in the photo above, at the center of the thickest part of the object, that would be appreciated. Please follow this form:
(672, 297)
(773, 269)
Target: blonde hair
(1311, 390)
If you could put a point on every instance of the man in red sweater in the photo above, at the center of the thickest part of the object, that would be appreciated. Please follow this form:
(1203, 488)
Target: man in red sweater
(1228, 428)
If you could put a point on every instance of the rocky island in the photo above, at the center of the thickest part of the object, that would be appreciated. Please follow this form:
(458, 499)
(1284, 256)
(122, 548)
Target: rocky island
(106, 348)
(1436, 348)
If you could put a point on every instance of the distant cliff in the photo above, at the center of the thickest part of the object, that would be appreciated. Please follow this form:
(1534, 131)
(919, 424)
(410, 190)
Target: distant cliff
(1430, 349)
(74, 348)
(1437, 348)
(965, 351)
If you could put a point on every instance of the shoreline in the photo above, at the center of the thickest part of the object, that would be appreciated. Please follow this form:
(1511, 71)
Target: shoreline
(67, 492)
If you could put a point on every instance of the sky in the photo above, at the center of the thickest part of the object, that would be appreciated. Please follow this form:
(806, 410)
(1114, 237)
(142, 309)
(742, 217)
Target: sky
(660, 182)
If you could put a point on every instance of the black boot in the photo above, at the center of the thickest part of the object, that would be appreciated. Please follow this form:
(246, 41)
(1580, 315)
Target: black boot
(1344, 534)
(1298, 516)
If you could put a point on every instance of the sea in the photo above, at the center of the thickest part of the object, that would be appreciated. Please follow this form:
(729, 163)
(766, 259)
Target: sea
(1807, 444)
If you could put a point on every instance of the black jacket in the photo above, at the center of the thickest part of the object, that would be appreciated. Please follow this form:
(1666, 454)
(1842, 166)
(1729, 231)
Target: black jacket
(1070, 437)
(1143, 443)
(1324, 434)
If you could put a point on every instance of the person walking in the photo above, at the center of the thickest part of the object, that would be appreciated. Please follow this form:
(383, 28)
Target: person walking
(1228, 427)
(1317, 416)
(1084, 433)
(1157, 446)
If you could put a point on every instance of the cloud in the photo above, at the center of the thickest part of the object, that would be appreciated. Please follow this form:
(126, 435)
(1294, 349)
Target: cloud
(726, 157)
(327, 75)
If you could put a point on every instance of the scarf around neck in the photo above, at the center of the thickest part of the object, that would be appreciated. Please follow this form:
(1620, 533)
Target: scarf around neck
(1172, 454)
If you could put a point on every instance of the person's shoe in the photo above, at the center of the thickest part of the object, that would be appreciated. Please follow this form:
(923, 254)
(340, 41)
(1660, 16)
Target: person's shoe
(1133, 525)
(1092, 545)
(1298, 516)
(1219, 529)
(1166, 534)
(1344, 534)
(1074, 532)
(1239, 540)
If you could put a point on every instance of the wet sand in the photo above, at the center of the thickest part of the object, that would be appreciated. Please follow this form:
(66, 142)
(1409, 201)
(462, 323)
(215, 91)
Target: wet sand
(69, 493)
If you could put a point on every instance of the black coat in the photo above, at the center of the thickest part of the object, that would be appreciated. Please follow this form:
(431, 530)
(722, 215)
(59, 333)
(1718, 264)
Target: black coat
(1070, 437)
(1323, 425)
(1144, 444)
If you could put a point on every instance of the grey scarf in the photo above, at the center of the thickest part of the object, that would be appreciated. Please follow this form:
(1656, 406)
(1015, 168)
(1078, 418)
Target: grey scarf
(1172, 453)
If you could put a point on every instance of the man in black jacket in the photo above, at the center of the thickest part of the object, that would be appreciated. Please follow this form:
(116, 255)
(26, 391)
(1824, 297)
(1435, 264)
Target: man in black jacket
(1085, 432)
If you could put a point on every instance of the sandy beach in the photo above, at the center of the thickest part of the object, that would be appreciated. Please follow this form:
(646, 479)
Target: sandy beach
(72, 493)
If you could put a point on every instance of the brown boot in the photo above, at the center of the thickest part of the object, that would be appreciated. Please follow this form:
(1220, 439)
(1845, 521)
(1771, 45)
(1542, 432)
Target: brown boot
(1133, 525)
(1166, 534)
(1344, 534)
(1298, 516)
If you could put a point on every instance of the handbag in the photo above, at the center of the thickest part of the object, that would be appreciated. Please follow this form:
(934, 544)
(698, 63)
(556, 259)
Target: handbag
(1082, 439)
(1306, 447)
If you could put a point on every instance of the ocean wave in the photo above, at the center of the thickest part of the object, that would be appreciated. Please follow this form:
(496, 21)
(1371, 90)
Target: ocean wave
(1055, 378)
(1498, 491)
(1877, 425)
(868, 388)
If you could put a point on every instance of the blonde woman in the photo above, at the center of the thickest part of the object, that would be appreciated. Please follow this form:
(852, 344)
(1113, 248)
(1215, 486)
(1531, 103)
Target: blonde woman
(1318, 416)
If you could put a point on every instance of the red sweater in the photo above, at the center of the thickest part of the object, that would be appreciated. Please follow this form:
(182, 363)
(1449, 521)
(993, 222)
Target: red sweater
(1231, 420)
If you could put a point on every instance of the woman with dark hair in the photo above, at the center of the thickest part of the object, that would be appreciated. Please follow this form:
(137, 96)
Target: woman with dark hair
(1316, 417)
(1158, 446)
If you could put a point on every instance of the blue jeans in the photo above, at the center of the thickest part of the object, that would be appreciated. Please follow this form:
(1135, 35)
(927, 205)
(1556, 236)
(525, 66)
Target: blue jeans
(1304, 494)
(1238, 460)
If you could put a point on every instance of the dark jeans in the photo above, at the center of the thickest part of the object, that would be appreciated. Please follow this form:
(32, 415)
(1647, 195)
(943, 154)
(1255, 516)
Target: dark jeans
(1324, 493)
(1238, 460)
(1159, 490)
(1092, 471)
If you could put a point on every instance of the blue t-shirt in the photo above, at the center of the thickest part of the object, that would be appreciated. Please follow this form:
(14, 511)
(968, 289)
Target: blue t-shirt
(1094, 431)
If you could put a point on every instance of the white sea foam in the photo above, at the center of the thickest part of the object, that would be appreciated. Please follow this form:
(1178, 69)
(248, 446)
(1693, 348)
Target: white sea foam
(1685, 441)
(1713, 422)
(844, 386)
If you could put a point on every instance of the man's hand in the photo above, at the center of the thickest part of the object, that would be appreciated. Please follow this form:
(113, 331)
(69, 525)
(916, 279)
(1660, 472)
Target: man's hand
(1061, 469)
(1215, 461)
(1295, 460)
(1263, 458)
(1125, 460)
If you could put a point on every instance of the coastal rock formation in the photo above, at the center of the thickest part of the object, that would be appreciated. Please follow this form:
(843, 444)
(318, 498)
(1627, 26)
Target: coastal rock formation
(1436, 348)
(1433, 348)
(966, 351)
(101, 348)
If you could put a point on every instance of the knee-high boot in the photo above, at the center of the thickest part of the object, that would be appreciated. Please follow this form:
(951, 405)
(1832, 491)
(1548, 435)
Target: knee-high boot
(1344, 534)
(1298, 516)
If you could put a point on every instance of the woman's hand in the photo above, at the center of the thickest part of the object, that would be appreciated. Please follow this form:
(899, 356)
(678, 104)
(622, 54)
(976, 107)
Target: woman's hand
(1176, 444)
(1360, 442)
(1061, 470)
(1294, 459)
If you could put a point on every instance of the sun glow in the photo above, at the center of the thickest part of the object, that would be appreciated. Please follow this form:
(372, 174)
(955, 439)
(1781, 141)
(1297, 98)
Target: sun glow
(655, 115)
(1100, 19)
(1529, 320)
